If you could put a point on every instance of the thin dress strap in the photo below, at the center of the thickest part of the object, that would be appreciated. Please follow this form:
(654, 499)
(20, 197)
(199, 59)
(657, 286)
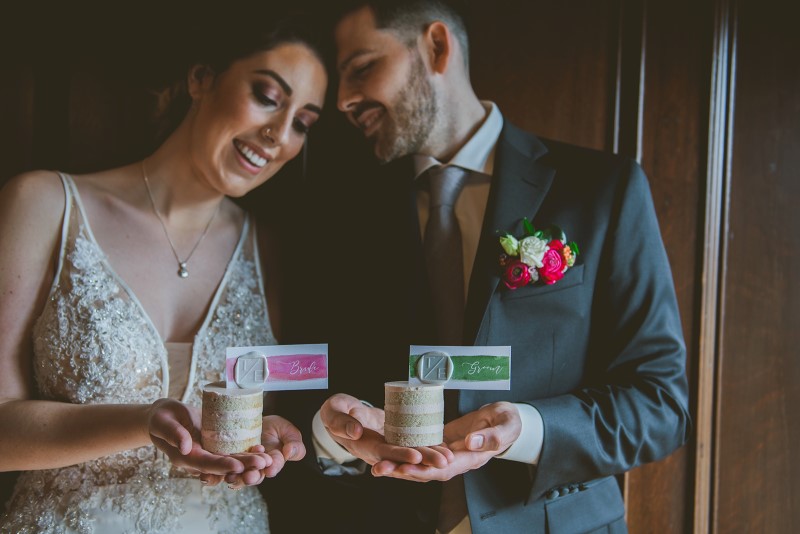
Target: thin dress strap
(69, 195)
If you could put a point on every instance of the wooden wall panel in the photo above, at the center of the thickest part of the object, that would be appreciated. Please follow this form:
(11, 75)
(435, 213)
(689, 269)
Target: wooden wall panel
(548, 65)
(758, 466)
(673, 145)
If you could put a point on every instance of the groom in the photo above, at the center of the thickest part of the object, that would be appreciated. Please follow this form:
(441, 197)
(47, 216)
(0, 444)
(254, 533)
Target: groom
(598, 380)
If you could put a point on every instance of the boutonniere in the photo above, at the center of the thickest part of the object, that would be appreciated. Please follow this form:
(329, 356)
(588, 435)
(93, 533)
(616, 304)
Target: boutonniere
(538, 255)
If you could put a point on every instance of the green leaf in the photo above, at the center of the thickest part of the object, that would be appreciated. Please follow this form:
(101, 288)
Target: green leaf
(573, 246)
(529, 229)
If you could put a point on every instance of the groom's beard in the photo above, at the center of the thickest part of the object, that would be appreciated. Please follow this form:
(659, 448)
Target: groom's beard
(411, 118)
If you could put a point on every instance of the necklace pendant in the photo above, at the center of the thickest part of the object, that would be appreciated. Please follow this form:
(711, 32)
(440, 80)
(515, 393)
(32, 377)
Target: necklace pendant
(182, 272)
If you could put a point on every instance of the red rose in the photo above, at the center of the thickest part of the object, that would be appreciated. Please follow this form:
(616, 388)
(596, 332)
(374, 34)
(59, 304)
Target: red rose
(516, 275)
(552, 269)
(556, 244)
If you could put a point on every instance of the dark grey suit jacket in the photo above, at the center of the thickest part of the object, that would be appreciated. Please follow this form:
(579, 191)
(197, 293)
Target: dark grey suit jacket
(600, 353)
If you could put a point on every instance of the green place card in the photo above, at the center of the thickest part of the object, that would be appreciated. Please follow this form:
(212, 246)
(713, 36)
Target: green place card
(487, 368)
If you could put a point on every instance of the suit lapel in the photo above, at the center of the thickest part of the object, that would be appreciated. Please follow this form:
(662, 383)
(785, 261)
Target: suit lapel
(519, 185)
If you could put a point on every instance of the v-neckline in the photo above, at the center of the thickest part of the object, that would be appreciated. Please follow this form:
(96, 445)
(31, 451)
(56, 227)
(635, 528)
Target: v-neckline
(162, 342)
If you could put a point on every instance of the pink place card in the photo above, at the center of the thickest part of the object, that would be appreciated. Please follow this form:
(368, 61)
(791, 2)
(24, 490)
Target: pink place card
(277, 367)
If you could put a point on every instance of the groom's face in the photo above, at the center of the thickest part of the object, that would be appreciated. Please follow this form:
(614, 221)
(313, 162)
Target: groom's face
(384, 88)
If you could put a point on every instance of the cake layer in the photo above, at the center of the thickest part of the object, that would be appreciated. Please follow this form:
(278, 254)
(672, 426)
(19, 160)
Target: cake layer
(212, 417)
(414, 414)
(248, 426)
(221, 402)
(413, 397)
(230, 447)
(235, 434)
(231, 418)
(404, 420)
(413, 440)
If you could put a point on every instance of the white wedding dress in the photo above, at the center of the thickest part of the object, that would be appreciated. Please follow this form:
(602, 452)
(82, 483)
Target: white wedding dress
(94, 344)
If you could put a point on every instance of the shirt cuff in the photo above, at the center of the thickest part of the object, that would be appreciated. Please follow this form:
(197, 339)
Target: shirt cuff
(325, 445)
(528, 446)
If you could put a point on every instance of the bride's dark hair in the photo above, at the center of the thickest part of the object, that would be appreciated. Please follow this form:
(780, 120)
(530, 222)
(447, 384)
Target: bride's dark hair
(219, 43)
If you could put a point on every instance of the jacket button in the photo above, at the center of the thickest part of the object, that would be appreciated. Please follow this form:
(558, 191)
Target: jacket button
(563, 491)
(552, 494)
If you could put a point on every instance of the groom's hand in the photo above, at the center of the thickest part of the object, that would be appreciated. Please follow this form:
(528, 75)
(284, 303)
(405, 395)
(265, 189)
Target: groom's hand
(359, 429)
(474, 439)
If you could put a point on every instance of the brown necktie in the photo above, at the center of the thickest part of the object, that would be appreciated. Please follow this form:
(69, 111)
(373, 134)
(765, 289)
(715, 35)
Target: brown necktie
(443, 253)
(445, 264)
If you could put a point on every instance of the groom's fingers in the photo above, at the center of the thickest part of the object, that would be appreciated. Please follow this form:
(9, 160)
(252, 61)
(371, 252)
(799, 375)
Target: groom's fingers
(338, 423)
(383, 468)
(372, 449)
(436, 456)
(342, 425)
(504, 430)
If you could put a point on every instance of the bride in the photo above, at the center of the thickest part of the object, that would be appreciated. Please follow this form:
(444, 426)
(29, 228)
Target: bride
(121, 289)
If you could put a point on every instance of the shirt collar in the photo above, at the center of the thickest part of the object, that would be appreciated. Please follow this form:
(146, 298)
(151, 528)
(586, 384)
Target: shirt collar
(477, 154)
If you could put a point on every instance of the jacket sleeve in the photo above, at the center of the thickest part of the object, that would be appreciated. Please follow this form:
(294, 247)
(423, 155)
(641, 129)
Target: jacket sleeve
(632, 405)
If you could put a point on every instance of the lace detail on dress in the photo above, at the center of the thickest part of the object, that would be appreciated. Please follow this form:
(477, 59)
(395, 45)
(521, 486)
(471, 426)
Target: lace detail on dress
(94, 343)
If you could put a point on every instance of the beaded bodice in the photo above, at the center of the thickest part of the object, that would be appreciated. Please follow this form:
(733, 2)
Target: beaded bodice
(94, 343)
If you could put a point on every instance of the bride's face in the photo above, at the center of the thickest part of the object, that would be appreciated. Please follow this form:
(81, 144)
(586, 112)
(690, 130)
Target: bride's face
(249, 120)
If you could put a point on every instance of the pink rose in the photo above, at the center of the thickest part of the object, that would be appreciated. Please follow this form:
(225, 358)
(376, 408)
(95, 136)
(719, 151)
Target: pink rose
(552, 269)
(516, 274)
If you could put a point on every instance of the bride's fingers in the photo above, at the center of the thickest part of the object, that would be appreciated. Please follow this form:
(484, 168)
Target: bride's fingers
(172, 432)
(277, 464)
(211, 480)
(254, 460)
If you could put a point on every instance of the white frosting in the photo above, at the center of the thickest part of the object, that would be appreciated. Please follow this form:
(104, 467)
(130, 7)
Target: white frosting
(411, 431)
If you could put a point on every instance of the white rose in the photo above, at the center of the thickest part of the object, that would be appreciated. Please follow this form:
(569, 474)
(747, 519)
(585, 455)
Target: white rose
(531, 251)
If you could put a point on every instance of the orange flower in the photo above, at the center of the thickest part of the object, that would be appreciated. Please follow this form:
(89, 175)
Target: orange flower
(569, 257)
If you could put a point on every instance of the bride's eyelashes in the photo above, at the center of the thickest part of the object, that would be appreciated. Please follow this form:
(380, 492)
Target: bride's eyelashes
(261, 92)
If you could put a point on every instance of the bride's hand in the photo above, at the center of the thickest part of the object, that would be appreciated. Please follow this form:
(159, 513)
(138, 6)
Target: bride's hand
(174, 428)
(281, 443)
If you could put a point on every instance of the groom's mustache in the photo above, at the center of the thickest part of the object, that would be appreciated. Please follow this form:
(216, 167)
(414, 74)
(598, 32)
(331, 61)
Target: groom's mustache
(363, 107)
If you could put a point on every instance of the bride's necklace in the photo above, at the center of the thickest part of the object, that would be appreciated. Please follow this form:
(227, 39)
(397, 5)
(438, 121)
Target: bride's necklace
(182, 271)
